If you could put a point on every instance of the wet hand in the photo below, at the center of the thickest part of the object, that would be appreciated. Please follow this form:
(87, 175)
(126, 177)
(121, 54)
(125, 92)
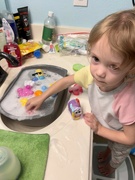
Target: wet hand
(34, 103)
(92, 121)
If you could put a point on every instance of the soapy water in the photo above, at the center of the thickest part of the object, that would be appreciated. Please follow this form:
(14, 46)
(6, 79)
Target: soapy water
(31, 83)
(59, 149)
(63, 154)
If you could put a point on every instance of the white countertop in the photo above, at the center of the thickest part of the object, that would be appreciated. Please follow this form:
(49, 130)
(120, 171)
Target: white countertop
(70, 141)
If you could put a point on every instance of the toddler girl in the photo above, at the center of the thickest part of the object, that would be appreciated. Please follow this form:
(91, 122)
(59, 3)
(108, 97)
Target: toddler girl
(110, 80)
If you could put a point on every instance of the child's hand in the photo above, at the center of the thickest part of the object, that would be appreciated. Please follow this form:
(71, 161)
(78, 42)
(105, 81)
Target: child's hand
(91, 121)
(34, 103)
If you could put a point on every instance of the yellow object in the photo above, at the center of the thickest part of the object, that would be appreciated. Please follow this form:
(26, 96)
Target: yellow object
(83, 77)
(23, 101)
(51, 84)
(29, 47)
(39, 72)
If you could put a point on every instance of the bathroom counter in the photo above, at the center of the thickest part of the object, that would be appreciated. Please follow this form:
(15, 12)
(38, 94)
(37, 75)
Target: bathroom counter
(71, 141)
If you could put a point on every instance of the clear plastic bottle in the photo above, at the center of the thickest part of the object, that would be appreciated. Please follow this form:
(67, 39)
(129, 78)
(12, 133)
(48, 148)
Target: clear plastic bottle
(48, 29)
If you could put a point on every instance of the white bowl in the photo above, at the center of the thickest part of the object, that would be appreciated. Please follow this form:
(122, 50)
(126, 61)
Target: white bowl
(10, 166)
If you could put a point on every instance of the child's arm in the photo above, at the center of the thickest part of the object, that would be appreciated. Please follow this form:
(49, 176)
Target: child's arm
(126, 136)
(35, 102)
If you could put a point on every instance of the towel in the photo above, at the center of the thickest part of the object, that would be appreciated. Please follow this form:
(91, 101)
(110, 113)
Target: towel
(32, 151)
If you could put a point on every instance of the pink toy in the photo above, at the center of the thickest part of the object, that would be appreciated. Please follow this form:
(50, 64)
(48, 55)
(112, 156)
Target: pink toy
(75, 109)
(25, 91)
(76, 89)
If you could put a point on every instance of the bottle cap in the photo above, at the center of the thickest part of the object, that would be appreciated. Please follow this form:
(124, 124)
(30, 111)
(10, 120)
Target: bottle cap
(50, 13)
(37, 53)
(46, 48)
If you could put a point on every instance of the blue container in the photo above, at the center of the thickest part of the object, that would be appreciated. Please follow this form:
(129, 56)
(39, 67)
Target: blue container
(132, 152)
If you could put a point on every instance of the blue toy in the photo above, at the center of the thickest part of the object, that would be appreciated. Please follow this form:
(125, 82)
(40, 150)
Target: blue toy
(132, 152)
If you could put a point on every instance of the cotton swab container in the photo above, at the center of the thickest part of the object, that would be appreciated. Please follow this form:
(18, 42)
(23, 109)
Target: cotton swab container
(10, 166)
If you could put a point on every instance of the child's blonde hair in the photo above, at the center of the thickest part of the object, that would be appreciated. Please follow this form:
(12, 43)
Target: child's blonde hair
(119, 28)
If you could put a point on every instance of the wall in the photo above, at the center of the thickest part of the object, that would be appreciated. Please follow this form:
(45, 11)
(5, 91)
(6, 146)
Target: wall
(2, 5)
(68, 15)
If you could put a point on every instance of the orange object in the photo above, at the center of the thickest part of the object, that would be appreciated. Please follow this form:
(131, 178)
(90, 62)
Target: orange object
(38, 93)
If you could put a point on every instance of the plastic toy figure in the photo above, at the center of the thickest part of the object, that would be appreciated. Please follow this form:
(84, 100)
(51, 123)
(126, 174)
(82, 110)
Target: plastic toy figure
(25, 91)
(40, 74)
(76, 89)
(36, 75)
(75, 109)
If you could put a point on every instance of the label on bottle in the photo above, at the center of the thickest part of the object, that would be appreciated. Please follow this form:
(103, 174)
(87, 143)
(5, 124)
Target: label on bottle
(47, 34)
(13, 49)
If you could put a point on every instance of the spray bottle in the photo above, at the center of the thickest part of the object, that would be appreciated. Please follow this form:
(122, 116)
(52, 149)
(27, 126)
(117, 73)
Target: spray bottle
(10, 19)
(11, 47)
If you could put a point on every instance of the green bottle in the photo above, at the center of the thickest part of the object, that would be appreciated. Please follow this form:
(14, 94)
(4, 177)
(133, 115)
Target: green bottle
(48, 29)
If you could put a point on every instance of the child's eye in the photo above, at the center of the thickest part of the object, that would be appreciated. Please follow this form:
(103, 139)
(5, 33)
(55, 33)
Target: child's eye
(114, 67)
(94, 58)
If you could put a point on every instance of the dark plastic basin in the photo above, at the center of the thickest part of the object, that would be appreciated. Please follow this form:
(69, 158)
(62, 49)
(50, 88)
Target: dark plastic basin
(13, 111)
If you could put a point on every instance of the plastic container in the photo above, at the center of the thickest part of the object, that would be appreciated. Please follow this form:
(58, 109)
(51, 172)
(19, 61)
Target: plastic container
(48, 29)
(51, 108)
(10, 166)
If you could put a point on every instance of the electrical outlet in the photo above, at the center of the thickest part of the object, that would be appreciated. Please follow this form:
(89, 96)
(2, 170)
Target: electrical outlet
(80, 2)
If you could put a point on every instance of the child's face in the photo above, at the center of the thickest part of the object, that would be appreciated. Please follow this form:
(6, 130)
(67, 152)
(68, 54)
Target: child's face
(105, 66)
